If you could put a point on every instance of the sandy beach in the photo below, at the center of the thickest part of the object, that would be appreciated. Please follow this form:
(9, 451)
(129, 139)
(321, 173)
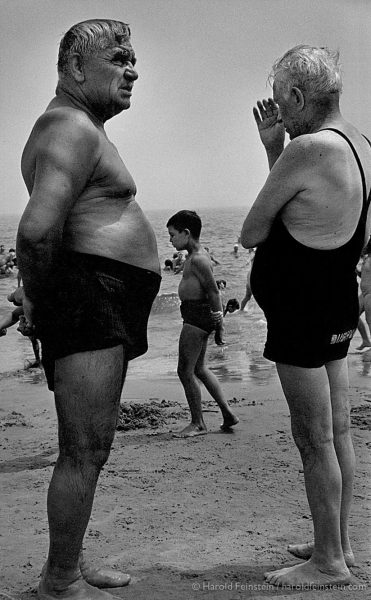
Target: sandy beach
(187, 519)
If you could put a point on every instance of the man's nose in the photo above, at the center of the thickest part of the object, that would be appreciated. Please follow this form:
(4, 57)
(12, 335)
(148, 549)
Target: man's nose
(131, 73)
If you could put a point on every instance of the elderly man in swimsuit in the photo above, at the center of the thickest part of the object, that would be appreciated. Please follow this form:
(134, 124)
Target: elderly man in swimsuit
(314, 207)
(88, 291)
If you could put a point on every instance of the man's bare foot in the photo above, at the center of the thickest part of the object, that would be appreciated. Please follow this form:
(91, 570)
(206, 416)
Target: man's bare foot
(363, 346)
(305, 551)
(309, 575)
(77, 590)
(191, 431)
(229, 422)
(103, 577)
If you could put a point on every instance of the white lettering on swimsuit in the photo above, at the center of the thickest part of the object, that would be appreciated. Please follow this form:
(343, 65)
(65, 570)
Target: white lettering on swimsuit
(342, 337)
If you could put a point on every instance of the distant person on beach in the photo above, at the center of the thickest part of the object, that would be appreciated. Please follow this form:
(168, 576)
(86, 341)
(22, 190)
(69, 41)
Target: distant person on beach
(14, 317)
(201, 309)
(212, 258)
(365, 286)
(88, 291)
(178, 262)
(232, 304)
(314, 208)
(248, 292)
(362, 326)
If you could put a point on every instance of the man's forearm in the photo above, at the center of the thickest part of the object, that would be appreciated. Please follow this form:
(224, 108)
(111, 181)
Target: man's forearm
(273, 156)
(36, 263)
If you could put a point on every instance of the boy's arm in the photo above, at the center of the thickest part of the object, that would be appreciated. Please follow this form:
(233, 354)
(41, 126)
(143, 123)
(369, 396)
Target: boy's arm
(203, 271)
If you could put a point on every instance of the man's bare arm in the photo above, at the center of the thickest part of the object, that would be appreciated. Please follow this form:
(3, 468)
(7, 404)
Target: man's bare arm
(64, 160)
(286, 179)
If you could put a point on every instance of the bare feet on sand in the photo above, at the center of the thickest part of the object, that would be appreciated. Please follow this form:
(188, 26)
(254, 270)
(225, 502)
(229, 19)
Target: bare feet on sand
(100, 577)
(305, 551)
(310, 575)
(190, 431)
(229, 422)
(77, 590)
(103, 577)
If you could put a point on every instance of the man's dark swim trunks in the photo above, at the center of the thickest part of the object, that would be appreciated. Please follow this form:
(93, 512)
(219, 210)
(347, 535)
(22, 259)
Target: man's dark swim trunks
(198, 314)
(309, 296)
(95, 303)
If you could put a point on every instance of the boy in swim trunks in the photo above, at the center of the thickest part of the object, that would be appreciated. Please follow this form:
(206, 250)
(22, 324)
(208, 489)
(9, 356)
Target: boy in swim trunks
(201, 309)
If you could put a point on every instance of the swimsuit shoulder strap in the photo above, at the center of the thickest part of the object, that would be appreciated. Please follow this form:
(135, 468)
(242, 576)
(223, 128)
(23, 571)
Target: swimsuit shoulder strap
(366, 201)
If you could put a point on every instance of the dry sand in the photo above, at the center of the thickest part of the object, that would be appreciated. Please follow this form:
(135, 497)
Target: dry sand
(188, 519)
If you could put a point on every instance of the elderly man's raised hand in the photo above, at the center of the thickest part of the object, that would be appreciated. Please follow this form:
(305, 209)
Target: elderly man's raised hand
(270, 126)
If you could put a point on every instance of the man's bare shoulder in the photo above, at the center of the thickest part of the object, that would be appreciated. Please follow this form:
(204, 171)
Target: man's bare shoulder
(72, 123)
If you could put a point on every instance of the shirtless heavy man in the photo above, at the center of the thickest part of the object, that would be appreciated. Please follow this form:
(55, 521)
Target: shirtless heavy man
(88, 290)
(313, 207)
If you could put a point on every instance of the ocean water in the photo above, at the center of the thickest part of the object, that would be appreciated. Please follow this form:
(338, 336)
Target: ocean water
(239, 360)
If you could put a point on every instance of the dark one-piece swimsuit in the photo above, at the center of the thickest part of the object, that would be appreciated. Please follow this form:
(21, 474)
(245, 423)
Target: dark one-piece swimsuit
(309, 296)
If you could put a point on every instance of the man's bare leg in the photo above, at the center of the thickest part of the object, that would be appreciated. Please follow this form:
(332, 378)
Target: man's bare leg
(214, 388)
(338, 379)
(308, 394)
(366, 341)
(191, 342)
(87, 394)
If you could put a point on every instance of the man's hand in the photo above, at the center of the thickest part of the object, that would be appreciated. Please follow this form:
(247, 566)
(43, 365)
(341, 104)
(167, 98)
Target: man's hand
(26, 325)
(270, 126)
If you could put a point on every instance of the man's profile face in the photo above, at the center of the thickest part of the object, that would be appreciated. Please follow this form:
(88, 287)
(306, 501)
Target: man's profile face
(109, 79)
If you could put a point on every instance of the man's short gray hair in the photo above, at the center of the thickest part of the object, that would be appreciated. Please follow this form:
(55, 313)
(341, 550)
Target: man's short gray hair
(88, 37)
(315, 71)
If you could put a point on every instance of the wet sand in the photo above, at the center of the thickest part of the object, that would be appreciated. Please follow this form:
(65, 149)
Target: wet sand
(187, 518)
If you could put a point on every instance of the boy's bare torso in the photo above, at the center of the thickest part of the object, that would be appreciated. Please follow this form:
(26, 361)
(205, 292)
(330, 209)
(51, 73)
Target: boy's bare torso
(190, 287)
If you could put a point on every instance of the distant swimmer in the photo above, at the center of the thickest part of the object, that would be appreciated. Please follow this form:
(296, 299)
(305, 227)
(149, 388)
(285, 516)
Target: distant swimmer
(201, 310)
(168, 265)
(231, 306)
(212, 258)
(14, 317)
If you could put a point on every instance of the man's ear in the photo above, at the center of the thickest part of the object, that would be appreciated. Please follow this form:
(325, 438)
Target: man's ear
(298, 97)
(76, 68)
(187, 232)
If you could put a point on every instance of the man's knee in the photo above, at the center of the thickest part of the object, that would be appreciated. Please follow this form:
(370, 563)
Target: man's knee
(184, 373)
(310, 438)
(84, 457)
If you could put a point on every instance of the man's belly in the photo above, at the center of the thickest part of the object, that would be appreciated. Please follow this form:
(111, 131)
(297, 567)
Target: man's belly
(127, 237)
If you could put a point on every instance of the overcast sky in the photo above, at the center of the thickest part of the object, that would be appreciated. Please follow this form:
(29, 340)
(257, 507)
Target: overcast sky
(189, 138)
